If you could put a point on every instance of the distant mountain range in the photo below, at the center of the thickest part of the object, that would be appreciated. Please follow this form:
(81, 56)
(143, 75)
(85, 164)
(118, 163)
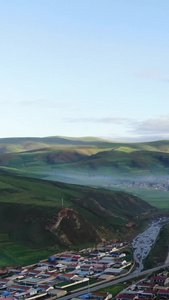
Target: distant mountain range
(84, 160)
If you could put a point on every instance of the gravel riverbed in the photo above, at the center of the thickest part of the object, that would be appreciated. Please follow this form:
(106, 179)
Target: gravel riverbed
(143, 243)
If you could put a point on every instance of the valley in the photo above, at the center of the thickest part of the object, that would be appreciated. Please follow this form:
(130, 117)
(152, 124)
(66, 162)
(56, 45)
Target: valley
(139, 168)
(39, 217)
(84, 150)
(59, 193)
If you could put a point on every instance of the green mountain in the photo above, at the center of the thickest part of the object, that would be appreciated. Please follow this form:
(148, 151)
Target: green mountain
(95, 162)
(39, 217)
(8, 145)
(139, 168)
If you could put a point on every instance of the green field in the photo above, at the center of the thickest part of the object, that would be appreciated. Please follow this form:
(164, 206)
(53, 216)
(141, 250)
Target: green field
(157, 198)
(114, 290)
(14, 254)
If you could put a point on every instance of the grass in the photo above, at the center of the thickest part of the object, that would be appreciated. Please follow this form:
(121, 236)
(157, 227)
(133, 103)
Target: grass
(15, 254)
(126, 149)
(114, 290)
(30, 207)
(157, 198)
(82, 161)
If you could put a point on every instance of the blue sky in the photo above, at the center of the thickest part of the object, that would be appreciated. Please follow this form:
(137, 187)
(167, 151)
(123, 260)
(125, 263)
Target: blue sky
(85, 68)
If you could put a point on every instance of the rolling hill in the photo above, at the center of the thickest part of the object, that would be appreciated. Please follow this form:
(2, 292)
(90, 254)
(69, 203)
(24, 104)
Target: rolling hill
(40, 217)
(87, 162)
(140, 168)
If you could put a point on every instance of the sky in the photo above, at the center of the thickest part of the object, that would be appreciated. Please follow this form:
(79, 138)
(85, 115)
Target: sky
(84, 68)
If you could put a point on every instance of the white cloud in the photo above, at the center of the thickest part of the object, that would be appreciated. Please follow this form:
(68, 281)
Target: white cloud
(138, 138)
(156, 126)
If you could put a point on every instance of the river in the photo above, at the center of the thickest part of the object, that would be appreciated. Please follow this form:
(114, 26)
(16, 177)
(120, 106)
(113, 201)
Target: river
(143, 243)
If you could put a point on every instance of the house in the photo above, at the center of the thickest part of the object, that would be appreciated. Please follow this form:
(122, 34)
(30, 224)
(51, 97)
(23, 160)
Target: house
(114, 271)
(163, 293)
(158, 279)
(116, 245)
(99, 268)
(73, 266)
(18, 288)
(96, 254)
(83, 273)
(57, 293)
(44, 288)
(71, 257)
(32, 281)
(96, 296)
(3, 283)
(125, 297)
(52, 258)
(147, 293)
(115, 254)
(48, 264)
(66, 276)
(120, 261)
(145, 286)
(101, 296)
(86, 267)
(32, 273)
(106, 277)
(110, 249)
(29, 293)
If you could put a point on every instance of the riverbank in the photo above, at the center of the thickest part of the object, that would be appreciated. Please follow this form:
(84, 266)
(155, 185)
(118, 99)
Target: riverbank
(144, 242)
(167, 258)
(159, 254)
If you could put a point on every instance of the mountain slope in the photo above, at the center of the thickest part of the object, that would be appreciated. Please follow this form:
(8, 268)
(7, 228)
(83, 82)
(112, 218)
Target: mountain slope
(50, 215)
(11, 145)
(140, 168)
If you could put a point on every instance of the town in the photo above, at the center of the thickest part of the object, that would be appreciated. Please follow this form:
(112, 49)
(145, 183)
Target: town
(65, 272)
(158, 183)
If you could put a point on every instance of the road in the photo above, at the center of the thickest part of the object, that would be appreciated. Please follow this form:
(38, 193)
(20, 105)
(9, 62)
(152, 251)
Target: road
(113, 282)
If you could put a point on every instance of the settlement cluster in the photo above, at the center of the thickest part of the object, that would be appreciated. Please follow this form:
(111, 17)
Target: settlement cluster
(65, 272)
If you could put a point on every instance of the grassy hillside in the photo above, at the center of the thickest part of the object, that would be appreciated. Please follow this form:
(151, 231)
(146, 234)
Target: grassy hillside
(17, 145)
(11, 145)
(108, 162)
(98, 159)
(38, 217)
(143, 167)
(101, 169)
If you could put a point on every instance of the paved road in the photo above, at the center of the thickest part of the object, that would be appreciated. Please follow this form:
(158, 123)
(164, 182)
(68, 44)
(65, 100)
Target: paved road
(113, 282)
